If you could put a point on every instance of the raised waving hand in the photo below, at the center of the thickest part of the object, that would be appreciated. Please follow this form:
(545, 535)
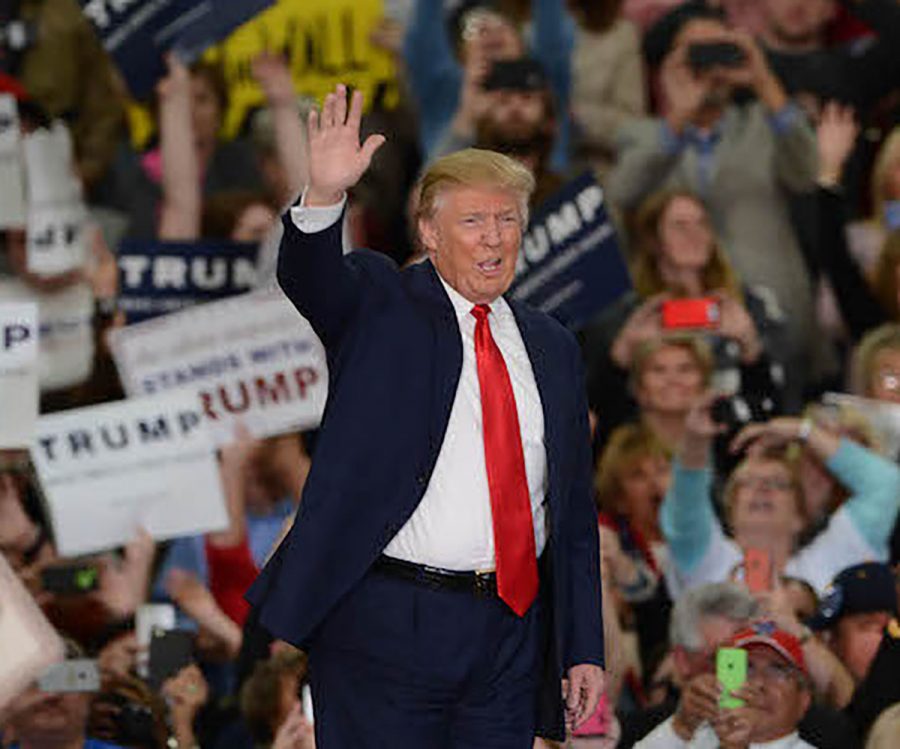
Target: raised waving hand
(336, 158)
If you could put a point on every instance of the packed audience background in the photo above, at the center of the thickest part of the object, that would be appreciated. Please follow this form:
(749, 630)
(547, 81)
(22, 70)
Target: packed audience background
(735, 506)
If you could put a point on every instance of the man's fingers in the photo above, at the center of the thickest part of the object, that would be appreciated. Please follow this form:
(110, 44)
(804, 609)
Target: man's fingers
(356, 109)
(573, 693)
(591, 700)
(340, 104)
(372, 144)
(328, 112)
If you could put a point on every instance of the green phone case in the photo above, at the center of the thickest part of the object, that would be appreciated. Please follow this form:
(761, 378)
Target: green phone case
(731, 671)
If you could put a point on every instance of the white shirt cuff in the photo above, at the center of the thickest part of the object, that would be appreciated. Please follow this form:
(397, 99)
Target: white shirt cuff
(312, 219)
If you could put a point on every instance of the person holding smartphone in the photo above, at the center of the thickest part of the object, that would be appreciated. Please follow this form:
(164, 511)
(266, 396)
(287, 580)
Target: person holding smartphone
(684, 283)
(764, 506)
(743, 159)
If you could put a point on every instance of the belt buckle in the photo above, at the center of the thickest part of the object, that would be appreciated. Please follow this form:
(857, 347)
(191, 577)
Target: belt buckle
(483, 587)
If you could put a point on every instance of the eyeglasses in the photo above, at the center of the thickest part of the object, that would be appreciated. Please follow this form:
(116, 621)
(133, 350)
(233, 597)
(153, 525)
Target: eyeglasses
(767, 483)
(779, 671)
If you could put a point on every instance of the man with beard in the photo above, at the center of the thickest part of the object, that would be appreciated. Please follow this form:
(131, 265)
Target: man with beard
(513, 113)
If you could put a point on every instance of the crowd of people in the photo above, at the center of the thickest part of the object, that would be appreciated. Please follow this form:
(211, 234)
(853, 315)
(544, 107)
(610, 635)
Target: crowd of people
(749, 155)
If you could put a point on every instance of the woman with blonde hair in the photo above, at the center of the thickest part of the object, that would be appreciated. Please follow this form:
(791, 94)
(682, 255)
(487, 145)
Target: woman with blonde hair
(630, 481)
(676, 257)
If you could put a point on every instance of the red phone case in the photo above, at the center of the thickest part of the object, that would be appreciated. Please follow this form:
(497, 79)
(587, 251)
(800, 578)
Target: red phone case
(757, 570)
(690, 313)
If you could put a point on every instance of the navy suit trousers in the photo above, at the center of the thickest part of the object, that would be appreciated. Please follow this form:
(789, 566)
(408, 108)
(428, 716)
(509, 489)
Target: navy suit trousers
(398, 664)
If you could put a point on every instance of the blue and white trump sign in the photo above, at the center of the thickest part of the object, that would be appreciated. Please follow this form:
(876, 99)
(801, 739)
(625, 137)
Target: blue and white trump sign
(570, 265)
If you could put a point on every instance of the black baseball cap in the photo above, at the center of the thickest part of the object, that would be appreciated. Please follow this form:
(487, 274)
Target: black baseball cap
(524, 74)
(860, 589)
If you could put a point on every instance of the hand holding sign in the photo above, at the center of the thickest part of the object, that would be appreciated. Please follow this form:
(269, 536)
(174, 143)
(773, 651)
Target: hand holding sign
(336, 160)
(274, 78)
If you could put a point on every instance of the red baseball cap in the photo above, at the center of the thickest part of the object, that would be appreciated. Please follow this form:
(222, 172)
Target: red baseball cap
(768, 635)
(10, 85)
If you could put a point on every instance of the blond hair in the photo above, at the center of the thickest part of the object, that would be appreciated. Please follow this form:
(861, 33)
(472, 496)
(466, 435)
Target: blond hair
(469, 168)
(883, 338)
(645, 229)
(627, 445)
(884, 275)
(696, 346)
(888, 156)
(885, 733)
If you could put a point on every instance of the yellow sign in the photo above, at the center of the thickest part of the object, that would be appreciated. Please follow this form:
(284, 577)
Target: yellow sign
(326, 42)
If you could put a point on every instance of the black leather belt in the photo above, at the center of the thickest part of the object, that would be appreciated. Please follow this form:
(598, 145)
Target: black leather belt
(482, 584)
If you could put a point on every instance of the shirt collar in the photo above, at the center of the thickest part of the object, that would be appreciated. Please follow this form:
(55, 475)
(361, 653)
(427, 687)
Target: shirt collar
(463, 307)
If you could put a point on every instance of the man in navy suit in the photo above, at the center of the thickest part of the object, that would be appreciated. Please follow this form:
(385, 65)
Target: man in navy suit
(443, 568)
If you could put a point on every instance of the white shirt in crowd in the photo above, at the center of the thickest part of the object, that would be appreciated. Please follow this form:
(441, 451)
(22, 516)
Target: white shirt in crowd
(664, 737)
(452, 526)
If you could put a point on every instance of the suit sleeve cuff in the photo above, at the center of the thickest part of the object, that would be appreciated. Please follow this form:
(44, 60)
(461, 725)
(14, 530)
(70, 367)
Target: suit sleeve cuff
(312, 219)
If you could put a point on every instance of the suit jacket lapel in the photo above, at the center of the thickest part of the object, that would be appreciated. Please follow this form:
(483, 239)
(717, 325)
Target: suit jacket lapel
(447, 352)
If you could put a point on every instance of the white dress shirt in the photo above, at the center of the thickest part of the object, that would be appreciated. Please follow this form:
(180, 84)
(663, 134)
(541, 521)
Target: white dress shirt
(452, 526)
(664, 737)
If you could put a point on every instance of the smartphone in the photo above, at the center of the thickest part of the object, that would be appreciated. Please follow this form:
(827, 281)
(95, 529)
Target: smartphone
(705, 55)
(149, 618)
(757, 570)
(170, 651)
(731, 671)
(678, 314)
(70, 579)
(77, 675)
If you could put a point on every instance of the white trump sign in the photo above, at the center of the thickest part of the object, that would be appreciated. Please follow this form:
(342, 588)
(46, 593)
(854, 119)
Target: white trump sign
(18, 373)
(250, 358)
(146, 462)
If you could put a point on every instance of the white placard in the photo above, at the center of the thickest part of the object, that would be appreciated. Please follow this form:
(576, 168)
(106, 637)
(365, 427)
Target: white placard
(107, 470)
(28, 644)
(18, 373)
(251, 358)
(56, 210)
(66, 339)
(12, 172)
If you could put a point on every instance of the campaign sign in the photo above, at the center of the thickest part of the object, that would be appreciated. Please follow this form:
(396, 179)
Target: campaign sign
(156, 278)
(56, 209)
(111, 469)
(18, 373)
(569, 265)
(66, 337)
(12, 172)
(251, 359)
(136, 33)
(28, 642)
(324, 43)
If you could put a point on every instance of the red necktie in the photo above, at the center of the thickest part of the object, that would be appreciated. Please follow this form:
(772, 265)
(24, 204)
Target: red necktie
(517, 578)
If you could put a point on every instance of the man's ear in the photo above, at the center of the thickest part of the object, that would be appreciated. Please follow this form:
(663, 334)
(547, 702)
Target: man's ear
(428, 234)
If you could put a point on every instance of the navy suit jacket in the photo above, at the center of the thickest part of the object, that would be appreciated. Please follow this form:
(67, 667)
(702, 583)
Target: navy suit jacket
(394, 357)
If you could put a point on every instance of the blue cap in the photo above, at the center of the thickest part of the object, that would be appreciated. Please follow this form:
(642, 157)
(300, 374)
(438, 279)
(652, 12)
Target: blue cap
(860, 589)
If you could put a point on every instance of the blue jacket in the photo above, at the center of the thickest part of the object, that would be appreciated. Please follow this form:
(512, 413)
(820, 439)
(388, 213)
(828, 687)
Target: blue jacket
(394, 358)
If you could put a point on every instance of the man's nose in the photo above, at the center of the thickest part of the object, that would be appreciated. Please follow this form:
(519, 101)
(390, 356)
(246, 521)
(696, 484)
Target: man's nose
(491, 234)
